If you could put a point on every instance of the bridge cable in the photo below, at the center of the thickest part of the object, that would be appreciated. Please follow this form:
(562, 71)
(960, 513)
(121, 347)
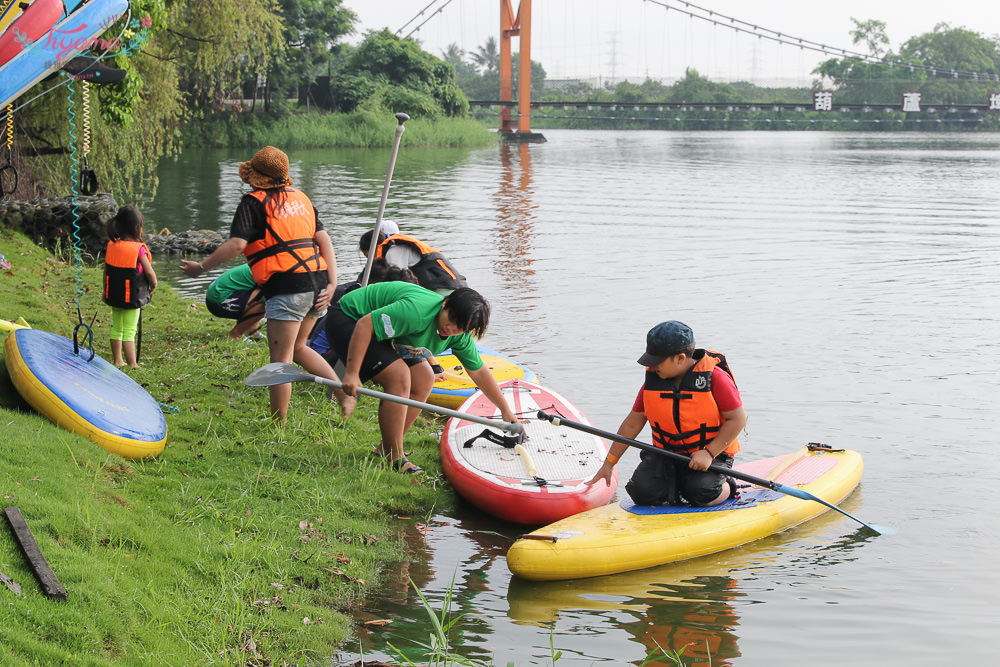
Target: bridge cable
(739, 25)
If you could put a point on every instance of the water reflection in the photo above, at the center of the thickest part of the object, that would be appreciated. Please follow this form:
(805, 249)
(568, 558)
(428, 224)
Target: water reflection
(194, 193)
(515, 218)
(449, 575)
(692, 614)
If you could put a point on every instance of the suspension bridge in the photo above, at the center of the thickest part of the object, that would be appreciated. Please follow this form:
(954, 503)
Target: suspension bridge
(666, 40)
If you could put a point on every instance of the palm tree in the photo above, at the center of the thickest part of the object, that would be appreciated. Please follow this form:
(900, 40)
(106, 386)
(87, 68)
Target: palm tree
(487, 57)
(454, 56)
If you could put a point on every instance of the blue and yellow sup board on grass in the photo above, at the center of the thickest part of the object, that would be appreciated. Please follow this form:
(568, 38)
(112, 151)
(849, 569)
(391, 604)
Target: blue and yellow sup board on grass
(92, 398)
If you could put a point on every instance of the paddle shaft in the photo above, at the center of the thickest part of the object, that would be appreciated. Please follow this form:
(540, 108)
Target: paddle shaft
(559, 421)
(513, 429)
(758, 481)
(401, 118)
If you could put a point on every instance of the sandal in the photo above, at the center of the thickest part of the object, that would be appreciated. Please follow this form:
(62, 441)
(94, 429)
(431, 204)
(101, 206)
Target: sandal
(413, 469)
(377, 451)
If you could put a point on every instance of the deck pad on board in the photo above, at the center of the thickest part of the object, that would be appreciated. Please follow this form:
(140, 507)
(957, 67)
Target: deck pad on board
(745, 500)
(801, 471)
(543, 483)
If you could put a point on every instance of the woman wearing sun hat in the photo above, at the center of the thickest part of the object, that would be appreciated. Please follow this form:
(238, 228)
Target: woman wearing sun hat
(292, 260)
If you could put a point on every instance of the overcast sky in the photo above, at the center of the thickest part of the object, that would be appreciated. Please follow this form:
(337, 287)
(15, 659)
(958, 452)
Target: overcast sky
(639, 38)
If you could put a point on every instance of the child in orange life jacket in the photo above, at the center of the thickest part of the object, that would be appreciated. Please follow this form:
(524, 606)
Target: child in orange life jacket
(693, 407)
(129, 281)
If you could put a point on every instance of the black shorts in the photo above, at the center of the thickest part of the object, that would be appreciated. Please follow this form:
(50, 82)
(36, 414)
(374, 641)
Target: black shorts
(381, 353)
(662, 480)
(233, 307)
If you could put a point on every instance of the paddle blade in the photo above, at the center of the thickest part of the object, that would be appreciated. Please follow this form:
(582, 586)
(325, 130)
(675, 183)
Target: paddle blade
(805, 495)
(277, 373)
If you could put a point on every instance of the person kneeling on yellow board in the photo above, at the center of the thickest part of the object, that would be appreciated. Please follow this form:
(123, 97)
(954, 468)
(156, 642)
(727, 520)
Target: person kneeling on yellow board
(691, 402)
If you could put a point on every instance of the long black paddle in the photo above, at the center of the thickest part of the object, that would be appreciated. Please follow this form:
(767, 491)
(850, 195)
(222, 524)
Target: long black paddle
(281, 373)
(758, 481)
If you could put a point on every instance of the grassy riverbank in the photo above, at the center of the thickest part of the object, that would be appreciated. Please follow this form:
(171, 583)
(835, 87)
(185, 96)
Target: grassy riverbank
(360, 129)
(241, 544)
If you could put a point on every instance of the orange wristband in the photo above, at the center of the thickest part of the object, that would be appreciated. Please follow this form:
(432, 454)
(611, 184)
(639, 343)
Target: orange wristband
(611, 458)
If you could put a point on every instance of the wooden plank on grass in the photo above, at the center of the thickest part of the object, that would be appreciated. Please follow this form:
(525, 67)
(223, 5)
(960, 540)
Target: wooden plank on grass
(46, 577)
(10, 583)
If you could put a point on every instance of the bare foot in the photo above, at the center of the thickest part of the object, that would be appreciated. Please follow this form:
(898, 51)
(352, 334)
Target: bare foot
(347, 403)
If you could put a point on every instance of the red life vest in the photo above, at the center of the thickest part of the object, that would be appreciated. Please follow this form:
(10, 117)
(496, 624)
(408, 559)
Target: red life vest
(289, 244)
(124, 286)
(686, 418)
(433, 271)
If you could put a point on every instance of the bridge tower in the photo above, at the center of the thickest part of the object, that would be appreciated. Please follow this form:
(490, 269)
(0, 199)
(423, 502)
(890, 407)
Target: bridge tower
(516, 25)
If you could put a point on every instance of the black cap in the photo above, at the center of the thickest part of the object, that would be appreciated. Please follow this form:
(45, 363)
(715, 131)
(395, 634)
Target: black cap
(664, 340)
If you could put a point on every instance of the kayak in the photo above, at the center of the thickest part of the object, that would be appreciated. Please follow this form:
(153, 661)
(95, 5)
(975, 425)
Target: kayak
(623, 536)
(10, 10)
(57, 40)
(542, 479)
(457, 386)
(30, 24)
(92, 398)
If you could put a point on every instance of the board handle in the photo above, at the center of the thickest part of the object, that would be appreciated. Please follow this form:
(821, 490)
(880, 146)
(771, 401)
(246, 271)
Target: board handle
(525, 457)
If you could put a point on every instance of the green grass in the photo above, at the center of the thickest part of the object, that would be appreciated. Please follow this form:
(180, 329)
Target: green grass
(217, 551)
(360, 129)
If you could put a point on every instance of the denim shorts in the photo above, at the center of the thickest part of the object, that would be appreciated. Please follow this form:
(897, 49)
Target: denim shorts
(292, 307)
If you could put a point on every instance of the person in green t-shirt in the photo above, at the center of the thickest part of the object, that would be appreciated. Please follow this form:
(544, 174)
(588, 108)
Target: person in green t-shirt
(235, 296)
(370, 327)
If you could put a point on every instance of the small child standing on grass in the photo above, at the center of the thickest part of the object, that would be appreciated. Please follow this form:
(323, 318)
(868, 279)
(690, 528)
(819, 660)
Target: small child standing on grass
(129, 281)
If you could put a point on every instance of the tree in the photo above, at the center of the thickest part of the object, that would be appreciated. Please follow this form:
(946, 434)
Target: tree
(221, 43)
(455, 57)
(312, 31)
(958, 64)
(395, 74)
(487, 57)
(538, 75)
(629, 93)
(694, 88)
(873, 33)
(948, 65)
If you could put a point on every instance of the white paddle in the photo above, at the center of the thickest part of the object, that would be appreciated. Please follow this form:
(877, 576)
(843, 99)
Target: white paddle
(281, 373)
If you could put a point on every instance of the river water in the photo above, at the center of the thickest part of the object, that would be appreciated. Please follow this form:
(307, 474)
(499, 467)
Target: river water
(852, 281)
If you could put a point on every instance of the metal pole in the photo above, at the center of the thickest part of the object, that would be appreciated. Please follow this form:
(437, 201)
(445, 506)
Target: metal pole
(402, 118)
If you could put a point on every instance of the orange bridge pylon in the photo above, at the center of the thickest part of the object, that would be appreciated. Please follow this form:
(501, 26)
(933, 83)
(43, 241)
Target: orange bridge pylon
(516, 25)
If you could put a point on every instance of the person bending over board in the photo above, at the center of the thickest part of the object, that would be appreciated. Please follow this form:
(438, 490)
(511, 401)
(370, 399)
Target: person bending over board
(372, 327)
(381, 272)
(693, 407)
(235, 296)
(429, 265)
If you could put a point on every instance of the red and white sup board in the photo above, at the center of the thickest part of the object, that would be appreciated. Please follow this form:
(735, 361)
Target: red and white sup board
(541, 480)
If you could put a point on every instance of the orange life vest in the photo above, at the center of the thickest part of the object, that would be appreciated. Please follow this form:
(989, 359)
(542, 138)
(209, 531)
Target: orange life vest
(685, 418)
(124, 286)
(288, 245)
(433, 271)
